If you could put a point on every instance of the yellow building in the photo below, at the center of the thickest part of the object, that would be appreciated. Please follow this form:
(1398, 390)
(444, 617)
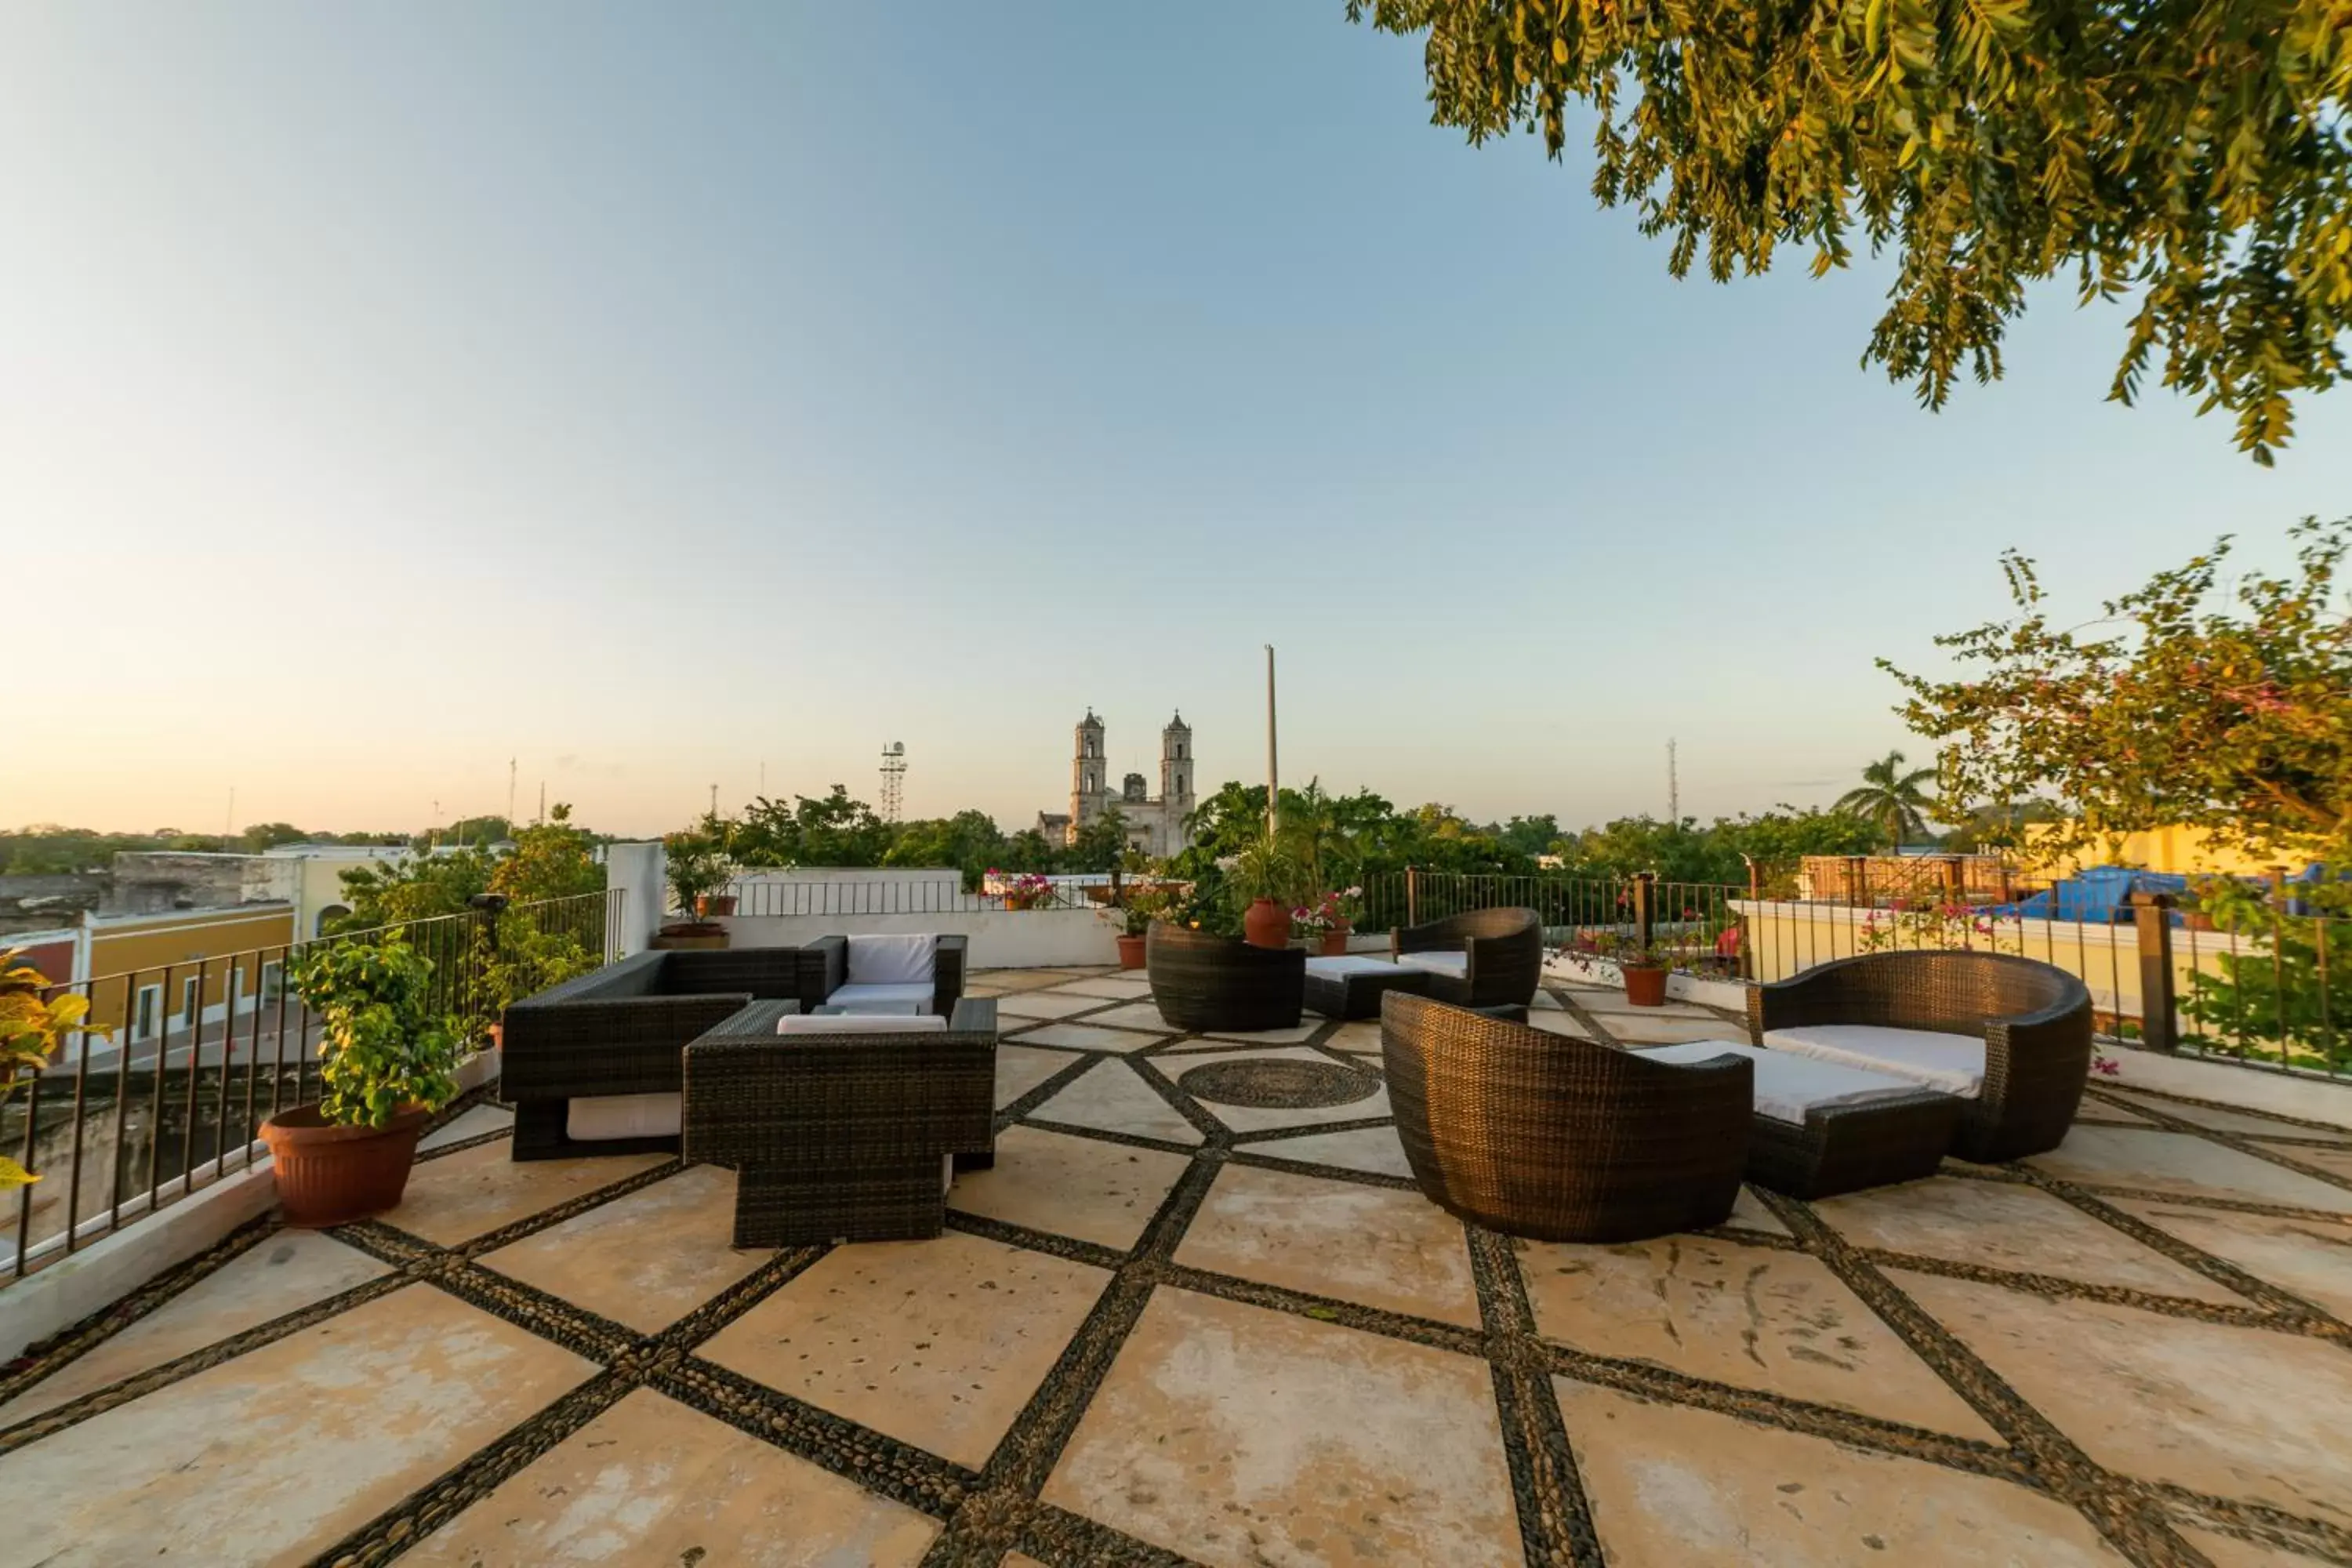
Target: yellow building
(2179, 851)
(165, 971)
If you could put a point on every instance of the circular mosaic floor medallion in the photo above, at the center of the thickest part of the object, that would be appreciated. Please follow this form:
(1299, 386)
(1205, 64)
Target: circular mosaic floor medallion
(1279, 1085)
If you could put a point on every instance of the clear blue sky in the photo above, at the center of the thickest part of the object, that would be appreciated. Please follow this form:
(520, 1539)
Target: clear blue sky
(651, 394)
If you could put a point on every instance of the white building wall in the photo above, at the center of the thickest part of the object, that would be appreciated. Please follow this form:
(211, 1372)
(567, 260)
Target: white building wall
(641, 872)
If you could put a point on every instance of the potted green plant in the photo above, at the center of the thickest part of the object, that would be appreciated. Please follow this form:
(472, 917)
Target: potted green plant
(699, 869)
(386, 1062)
(34, 1025)
(1137, 906)
(1264, 879)
(515, 960)
(1644, 971)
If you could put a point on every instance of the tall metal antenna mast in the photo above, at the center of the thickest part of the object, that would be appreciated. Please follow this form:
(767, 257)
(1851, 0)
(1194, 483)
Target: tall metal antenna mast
(894, 778)
(1674, 788)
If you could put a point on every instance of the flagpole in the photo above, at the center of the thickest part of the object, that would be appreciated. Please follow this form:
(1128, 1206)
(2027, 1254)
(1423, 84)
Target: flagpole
(1273, 773)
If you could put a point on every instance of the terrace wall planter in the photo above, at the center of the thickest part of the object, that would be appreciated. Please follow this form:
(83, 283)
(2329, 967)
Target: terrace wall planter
(1645, 987)
(687, 936)
(1130, 952)
(330, 1174)
(1266, 923)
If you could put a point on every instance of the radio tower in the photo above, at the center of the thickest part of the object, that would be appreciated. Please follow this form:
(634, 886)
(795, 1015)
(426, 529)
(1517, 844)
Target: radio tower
(894, 779)
(1674, 788)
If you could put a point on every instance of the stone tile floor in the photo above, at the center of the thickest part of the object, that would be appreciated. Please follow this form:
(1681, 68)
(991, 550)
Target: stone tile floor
(1168, 1328)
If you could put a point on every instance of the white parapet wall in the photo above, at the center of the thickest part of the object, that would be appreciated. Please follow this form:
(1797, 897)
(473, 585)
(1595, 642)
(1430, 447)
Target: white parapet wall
(1001, 938)
(641, 872)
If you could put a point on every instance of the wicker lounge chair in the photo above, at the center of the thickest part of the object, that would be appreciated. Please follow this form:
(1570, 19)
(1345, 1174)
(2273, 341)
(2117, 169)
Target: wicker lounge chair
(1561, 1139)
(2009, 1036)
(1822, 1127)
(1203, 981)
(1486, 958)
(842, 1136)
(617, 1033)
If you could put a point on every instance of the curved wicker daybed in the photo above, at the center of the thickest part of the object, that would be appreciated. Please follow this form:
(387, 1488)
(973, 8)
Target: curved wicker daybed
(2034, 1018)
(1201, 981)
(1561, 1139)
(1503, 951)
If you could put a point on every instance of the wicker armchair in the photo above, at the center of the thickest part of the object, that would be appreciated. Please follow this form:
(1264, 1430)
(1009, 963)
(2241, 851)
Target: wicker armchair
(1504, 952)
(619, 1031)
(1204, 982)
(2034, 1018)
(842, 1136)
(1565, 1140)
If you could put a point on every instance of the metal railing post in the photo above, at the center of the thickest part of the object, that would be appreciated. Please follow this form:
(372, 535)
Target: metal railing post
(1645, 907)
(2152, 917)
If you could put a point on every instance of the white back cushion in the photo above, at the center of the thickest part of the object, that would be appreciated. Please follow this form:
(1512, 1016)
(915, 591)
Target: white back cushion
(1457, 964)
(1788, 1085)
(599, 1119)
(1953, 1063)
(892, 960)
(859, 1024)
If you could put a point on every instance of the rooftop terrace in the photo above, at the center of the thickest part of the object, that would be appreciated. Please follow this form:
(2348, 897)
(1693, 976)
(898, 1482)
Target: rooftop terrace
(1169, 1328)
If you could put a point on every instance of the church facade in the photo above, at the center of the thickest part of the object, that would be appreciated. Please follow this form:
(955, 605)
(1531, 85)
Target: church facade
(1155, 823)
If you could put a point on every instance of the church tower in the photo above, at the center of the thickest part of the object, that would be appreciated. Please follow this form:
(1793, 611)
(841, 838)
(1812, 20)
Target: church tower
(1089, 795)
(1176, 782)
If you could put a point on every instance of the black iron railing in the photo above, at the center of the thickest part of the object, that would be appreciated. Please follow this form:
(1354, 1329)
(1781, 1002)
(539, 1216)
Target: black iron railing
(172, 1098)
(2263, 988)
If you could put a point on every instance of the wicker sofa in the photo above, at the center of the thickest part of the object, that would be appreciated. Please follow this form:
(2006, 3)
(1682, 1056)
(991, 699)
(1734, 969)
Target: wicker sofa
(618, 1032)
(1564, 1139)
(1483, 958)
(2009, 1036)
(1201, 980)
(844, 1136)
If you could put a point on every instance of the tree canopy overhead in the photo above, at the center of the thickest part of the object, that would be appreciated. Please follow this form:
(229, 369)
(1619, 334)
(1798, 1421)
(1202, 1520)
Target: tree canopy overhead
(2191, 155)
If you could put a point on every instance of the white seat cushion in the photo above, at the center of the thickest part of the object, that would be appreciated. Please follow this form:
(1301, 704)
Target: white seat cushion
(1953, 1063)
(1457, 964)
(861, 1023)
(1788, 1085)
(892, 960)
(876, 994)
(601, 1118)
(1350, 966)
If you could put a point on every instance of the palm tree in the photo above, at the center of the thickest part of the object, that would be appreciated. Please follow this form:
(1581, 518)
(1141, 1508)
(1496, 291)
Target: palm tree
(1891, 799)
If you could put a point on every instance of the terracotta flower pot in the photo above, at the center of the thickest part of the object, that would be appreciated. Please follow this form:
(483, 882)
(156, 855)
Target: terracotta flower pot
(1130, 952)
(709, 905)
(1266, 923)
(328, 1174)
(1335, 942)
(1645, 986)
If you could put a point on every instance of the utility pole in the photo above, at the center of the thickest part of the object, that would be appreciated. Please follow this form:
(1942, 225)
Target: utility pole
(1273, 773)
(1674, 788)
(228, 821)
(714, 801)
(542, 803)
(433, 840)
(511, 786)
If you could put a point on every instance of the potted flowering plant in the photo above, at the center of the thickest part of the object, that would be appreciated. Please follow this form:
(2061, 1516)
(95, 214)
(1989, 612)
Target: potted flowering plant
(1328, 920)
(1644, 972)
(699, 869)
(1019, 889)
(386, 1062)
